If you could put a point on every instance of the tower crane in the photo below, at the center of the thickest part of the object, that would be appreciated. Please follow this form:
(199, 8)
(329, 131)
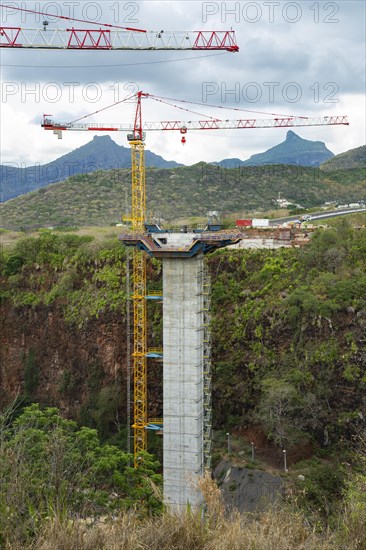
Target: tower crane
(136, 137)
(115, 37)
(109, 37)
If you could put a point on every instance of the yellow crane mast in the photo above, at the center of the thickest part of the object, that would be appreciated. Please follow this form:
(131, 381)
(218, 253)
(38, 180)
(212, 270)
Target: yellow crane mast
(138, 218)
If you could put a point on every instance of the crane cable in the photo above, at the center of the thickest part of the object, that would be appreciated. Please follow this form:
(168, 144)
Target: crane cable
(155, 98)
(131, 96)
(229, 108)
(166, 101)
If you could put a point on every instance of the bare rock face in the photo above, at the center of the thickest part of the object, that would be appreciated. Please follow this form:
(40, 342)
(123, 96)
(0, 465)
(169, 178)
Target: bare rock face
(64, 360)
(50, 361)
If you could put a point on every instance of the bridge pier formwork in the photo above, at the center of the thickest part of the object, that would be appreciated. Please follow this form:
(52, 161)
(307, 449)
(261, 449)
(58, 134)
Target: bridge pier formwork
(183, 380)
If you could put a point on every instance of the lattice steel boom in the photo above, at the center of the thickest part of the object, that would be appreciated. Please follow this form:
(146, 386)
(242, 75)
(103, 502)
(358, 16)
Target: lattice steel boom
(107, 36)
(183, 126)
(139, 300)
(105, 39)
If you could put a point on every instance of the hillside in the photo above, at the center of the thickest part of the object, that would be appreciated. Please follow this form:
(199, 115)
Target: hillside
(103, 197)
(296, 315)
(294, 150)
(354, 158)
(102, 153)
(286, 325)
(289, 370)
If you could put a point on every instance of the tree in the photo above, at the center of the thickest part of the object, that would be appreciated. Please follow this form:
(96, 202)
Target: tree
(277, 409)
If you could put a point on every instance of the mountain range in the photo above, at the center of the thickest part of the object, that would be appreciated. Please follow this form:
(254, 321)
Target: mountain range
(102, 153)
(103, 197)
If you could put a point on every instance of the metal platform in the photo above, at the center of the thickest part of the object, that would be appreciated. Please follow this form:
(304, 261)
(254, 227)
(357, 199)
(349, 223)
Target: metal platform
(180, 244)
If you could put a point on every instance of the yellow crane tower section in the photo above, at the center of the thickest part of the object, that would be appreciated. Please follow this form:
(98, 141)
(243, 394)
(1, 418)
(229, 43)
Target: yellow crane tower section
(138, 218)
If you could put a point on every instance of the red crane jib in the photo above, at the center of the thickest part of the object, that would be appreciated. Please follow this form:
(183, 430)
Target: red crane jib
(106, 39)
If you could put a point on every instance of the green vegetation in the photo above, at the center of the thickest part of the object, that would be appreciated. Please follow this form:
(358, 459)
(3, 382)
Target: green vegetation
(288, 329)
(354, 158)
(84, 277)
(51, 468)
(286, 324)
(100, 198)
(288, 358)
(31, 374)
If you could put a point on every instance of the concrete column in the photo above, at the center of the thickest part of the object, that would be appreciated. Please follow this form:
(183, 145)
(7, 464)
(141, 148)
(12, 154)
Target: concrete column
(183, 380)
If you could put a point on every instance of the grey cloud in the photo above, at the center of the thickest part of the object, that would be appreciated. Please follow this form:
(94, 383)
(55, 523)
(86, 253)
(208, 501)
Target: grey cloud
(307, 53)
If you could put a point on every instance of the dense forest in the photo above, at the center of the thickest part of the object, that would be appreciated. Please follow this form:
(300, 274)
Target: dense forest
(288, 348)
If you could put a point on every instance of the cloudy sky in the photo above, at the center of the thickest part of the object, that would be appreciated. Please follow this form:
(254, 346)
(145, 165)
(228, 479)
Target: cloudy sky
(296, 58)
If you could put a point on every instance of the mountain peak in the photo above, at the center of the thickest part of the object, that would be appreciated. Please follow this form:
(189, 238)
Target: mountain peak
(105, 138)
(294, 150)
(291, 136)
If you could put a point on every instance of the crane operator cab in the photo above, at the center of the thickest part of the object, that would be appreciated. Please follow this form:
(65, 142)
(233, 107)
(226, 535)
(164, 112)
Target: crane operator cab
(137, 136)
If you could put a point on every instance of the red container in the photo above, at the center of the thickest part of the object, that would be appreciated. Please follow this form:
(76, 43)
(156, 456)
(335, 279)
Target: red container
(243, 223)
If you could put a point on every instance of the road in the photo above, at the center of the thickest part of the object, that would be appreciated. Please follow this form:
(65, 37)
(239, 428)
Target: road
(319, 215)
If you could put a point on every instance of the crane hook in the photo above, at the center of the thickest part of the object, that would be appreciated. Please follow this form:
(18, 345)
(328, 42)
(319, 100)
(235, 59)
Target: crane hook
(183, 130)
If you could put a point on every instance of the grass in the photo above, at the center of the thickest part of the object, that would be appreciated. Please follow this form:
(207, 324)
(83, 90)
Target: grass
(100, 234)
(190, 529)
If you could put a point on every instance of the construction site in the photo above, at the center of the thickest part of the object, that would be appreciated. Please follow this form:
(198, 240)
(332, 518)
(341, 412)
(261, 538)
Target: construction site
(186, 355)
